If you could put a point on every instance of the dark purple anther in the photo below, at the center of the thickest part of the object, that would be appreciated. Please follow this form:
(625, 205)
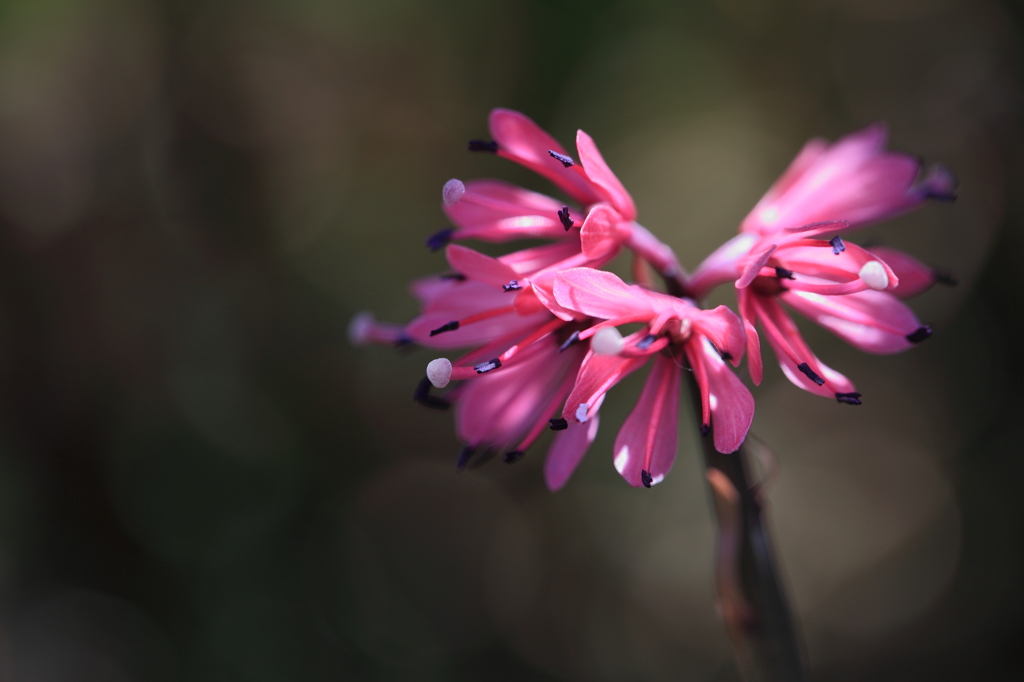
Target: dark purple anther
(783, 273)
(439, 240)
(724, 354)
(464, 457)
(848, 398)
(512, 457)
(563, 215)
(564, 158)
(558, 424)
(705, 429)
(573, 338)
(644, 343)
(514, 285)
(919, 334)
(646, 478)
(838, 246)
(450, 327)
(945, 278)
(483, 146)
(806, 369)
(423, 397)
(485, 367)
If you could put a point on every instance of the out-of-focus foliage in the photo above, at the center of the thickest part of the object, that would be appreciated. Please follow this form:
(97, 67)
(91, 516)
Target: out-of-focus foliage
(201, 480)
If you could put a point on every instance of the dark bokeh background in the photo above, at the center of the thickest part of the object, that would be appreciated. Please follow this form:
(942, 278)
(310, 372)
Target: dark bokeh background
(201, 480)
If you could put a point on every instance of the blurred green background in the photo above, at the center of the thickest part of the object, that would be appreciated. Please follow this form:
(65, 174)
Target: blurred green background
(201, 480)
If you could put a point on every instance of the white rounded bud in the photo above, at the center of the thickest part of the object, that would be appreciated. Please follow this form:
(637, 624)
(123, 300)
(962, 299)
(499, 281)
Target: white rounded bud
(439, 372)
(874, 275)
(607, 341)
(453, 191)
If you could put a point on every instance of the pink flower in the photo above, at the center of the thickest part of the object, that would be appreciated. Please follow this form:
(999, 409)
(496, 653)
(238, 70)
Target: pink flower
(494, 211)
(781, 253)
(675, 331)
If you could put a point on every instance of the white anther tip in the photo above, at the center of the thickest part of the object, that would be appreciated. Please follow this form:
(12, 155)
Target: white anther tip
(607, 341)
(453, 191)
(439, 372)
(359, 328)
(874, 275)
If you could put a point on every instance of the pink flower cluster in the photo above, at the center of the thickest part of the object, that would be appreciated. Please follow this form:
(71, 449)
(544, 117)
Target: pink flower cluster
(542, 323)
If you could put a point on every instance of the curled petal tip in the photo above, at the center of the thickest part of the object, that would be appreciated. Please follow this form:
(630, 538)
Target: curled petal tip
(439, 372)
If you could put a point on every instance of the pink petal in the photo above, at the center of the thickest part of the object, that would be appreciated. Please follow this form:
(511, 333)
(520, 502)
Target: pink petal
(752, 267)
(791, 350)
(473, 334)
(496, 211)
(647, 439)
(496, 409)
(479, 267)
(763, 219)
(602, 232)
(755, 363)
(597, 375)
(599, 294)
(816, 258)
(523, 141)
(601, 175)
(721, 266)
(853, 180)
(724, 329)
(915, 277)
(526, 262)
(873, 321)
(732, 406)
(567, 451)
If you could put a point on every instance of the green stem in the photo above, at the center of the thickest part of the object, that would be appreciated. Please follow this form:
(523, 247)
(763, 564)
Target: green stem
(751, 599)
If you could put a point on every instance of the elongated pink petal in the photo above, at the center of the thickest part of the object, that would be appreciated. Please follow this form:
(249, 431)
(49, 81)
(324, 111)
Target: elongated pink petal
(523, 141)
(495, 211)
(602, 176)
(753, 264)
(748, 313)
(732, 406)
(915, 277)
(479, 267)
(597, 375)
(764, 219)
(599, 294)
(873, 321)
(792, 351)
(647, 440)
(528, 261)
(474, 334)
(567, 451)
(498, 408)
